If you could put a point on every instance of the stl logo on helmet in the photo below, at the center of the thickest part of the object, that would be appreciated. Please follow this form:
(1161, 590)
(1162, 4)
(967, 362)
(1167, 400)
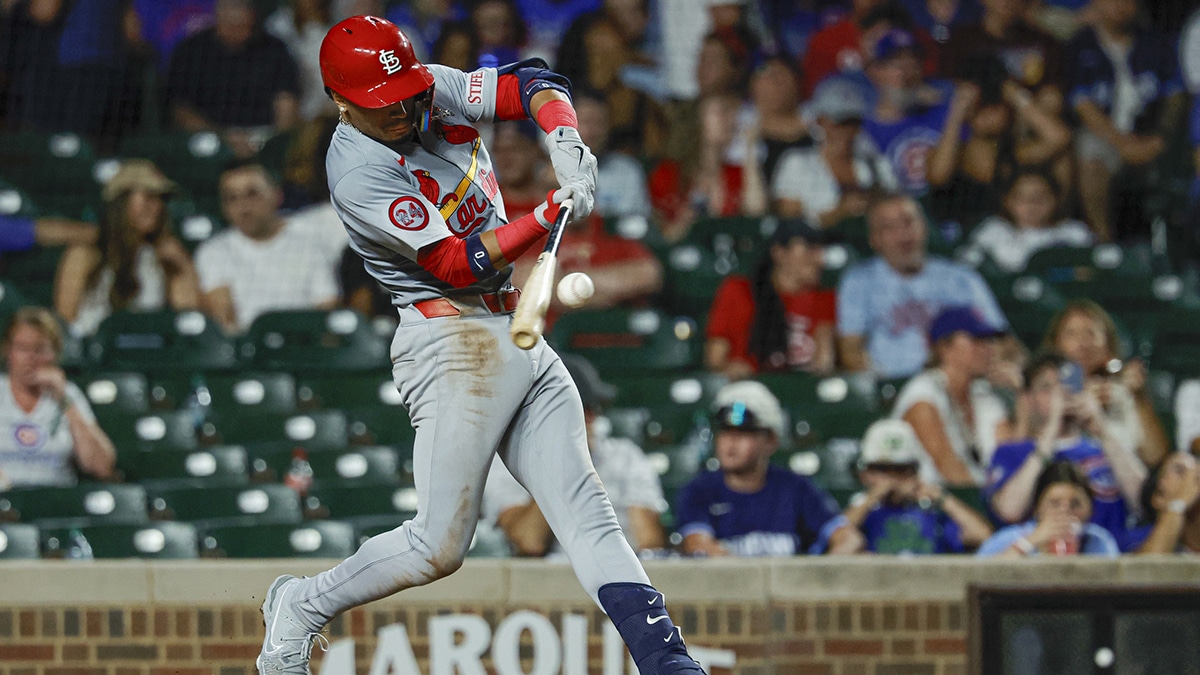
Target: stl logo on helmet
(408, 213)
(390, 62)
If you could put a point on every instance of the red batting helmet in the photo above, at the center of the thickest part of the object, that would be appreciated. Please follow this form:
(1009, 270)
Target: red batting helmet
(369, 61)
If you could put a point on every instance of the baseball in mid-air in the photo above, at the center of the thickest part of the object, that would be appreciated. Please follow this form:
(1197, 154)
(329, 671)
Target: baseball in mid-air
(575, 289)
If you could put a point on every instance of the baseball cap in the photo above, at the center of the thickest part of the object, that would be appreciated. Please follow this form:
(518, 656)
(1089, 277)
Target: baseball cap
(592, 390)
(137, 174)
(838, 100)
(889, 442)
(795, 228)
(748, 406)
(962, 318)
(893, 43)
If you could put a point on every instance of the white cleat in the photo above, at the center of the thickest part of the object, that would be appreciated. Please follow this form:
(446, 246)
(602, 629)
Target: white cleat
(287, 646)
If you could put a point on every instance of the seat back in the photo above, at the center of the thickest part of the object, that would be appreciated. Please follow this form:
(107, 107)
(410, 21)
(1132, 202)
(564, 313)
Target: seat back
(160, 341)
(314, 341)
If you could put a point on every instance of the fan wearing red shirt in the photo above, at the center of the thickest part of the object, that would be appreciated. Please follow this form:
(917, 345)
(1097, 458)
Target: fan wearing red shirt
(779, 320)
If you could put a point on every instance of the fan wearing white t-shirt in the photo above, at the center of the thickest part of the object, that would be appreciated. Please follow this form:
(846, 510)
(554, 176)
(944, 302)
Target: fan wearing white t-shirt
(1029, 225)
(262, 263)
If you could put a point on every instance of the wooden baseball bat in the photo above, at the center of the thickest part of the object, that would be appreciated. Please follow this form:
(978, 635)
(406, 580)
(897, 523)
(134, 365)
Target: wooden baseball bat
(529, 319)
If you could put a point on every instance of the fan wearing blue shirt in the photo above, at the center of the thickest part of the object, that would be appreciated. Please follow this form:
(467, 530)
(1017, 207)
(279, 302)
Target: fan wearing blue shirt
(1061, 422)
(750, 507)
(899, 513)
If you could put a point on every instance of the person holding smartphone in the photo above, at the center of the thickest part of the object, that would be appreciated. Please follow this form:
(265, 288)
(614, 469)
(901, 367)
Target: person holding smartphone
(1059, 421)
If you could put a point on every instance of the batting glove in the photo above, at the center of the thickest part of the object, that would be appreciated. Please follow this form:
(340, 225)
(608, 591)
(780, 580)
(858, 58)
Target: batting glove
(574, 167)
(547, 212)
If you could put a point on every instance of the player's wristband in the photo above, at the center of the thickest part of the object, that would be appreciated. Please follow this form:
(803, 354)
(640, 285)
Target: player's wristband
(555, 114)
(479, 259)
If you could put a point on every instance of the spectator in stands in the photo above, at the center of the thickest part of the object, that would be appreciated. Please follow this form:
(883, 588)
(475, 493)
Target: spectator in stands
(992, 130)
(49, 431)
(1055, 423)
(234, 79)
(263, 262)
(1084, 333)
(1171, 499)
(833, 180)
(19, 233)
(1033, 59)
(139, 265)
(951, 406)
(722, 69)
(457, 46)
(1062, 507)
(780, 320)
(942, 18)
(1187, 416)
(164, 24)
(551, 22)
(501, 31)
(631, 481)
(846, 46)
(908, 117)
(750, 507)
(301, 25)
(898, 512)
(772, 123)
(1126, 90)
(886, 304)
(423, 22)
(521, 166)
(621, 186)
(1029, 222)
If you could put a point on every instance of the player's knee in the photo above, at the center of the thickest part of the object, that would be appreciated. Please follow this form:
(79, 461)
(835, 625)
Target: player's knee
(446, 562)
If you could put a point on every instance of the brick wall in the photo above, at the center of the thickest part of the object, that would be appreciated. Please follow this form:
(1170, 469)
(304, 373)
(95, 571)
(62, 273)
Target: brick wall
(876, 616)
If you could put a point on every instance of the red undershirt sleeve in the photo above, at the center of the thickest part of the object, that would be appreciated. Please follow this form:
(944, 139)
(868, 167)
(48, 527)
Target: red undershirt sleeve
(508, 98)
(449, 259)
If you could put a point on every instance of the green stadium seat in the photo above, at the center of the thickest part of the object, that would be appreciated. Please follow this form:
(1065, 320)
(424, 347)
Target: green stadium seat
(366, 527)
(15, 202)
(314, 341)
(824, 408)
(155, 431)
(194, 160)
(691, 276)
(158, 541)
(627, 341)
(381, 425)
(11, 299)
(1062, 265)
(91, 503)
(57, 169)
(349, 466)
(160, 341)
(213, 465)
(352, 501)
(316, 429)
(232, 505)
(249, 394)
(838, 258)
(313, 539)
(830, 465)
(1029, 303)
(19, 541)
(117, 393)
(347, 390)
(1177, 343)
(662, 408)
(694, 388)
(35, 271)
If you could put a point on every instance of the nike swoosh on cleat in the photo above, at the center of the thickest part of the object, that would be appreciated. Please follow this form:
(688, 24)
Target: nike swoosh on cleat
(654, 620)
(653, 600)
(667, 639)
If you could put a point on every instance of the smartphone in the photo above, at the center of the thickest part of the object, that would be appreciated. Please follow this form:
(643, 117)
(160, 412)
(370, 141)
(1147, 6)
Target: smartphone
(1071, 376)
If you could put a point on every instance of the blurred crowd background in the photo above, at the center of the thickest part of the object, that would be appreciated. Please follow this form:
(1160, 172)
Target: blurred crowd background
(902, 276)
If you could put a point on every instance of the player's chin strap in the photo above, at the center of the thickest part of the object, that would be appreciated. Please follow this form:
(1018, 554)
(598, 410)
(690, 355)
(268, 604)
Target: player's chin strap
(654, 642)
(427, 116)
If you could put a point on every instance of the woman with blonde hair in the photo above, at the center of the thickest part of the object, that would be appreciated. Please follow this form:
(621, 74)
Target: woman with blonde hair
(139, 265)
(1085, 334)
(47, 430)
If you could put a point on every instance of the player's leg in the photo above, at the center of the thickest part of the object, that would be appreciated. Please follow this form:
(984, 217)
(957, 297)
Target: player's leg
(461, 386)
(546, 450)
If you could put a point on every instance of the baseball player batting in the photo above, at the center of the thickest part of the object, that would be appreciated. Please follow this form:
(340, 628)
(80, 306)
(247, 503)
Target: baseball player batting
(413, 184)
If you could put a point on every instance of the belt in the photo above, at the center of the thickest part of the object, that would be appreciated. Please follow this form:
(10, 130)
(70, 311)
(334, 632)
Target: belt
(502, 302)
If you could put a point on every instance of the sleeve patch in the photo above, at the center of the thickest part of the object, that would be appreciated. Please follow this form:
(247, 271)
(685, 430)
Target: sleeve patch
(408, 213)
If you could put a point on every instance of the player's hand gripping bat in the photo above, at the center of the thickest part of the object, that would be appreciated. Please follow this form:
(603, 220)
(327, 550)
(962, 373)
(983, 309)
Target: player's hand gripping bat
(530, 317)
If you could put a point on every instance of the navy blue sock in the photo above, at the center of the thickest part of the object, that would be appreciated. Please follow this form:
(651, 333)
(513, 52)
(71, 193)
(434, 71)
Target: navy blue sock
(655, 643)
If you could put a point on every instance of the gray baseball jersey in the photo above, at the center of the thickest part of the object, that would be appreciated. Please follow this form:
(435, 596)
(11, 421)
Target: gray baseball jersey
(36, 447)
(470, 392)
(396, 198)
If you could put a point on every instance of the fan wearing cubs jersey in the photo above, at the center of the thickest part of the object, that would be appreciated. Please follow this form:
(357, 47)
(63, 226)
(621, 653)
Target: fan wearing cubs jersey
(413, 183)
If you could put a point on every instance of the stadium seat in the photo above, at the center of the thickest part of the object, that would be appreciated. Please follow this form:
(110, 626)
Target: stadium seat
(35, 271)
(627, 341)
(691, 276)
(824, 408)
(56, 169)
(694, 388)
(11, 299)
(92, 503)
(314, 341)
(830, 465)
(194, 160)
(160, 341)
(117, 393)
(366, 527)
(351, 466)
(219, 506)
(316, 429)
(1177, 342)
(1064, 265)
(347, 390)
(351, 501)
(18, 541)
(209, 466)
(161, 541)
(15, 202)
(1029, 303)
(381, 425)
(252, 393)
(154, 431)
(313, 539)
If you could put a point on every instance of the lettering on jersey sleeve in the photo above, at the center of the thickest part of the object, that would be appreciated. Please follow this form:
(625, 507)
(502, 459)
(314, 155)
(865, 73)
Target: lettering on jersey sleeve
(408, 213)
(475, 88)
(487, 181)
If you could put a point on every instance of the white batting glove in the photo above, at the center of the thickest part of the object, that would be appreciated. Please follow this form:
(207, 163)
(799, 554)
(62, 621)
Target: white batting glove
(574, 167)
